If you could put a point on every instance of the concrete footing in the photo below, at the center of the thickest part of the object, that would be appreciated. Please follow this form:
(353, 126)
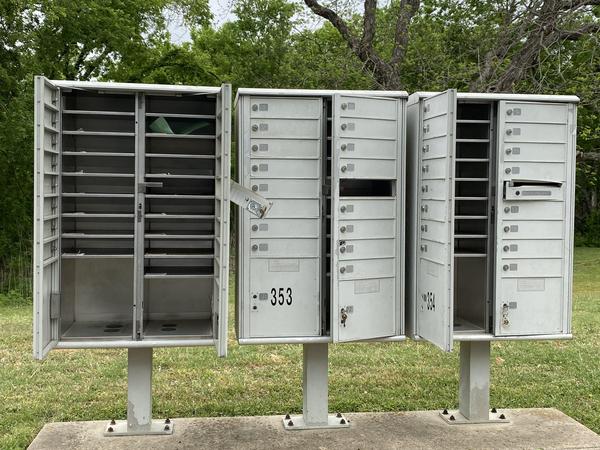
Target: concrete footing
(528, 428)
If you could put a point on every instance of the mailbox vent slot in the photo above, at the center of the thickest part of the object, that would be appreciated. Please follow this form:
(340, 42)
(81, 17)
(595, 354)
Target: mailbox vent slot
(367, 188)
(472, 216)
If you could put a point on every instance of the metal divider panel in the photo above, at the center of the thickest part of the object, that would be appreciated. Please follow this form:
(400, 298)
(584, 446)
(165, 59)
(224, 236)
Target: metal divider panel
(46, 250)
(435, 297)
(532, 284)
(222, 209)
(361, 123)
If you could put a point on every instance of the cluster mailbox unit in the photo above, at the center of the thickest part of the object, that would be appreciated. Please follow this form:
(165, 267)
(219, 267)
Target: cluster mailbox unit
(491, 183)
(131, 222)
(327, 264)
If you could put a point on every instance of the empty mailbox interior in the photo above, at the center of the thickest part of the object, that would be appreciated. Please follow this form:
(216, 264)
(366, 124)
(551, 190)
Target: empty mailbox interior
(134, 217)
(490, 262)
(326, 262)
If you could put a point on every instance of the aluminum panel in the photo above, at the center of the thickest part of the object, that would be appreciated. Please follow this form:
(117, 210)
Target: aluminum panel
(285, 168)
(531, 306)
(540, 171)
(371, 107)
(282, 107)
(369, 308)
(535, 132)
(368, 148)
(284, 298)
(535, 248)
(284, 188)
(285, 128)
(285, 148)
(434, 169)
(349, 128)
(532, 229)
(367, 268)
(535, 112)
(285, 228)
(532, 210)
(353, 249)
(367, 229)
(434, 299)
(534, 152)
(281, 248)
(366, 208)
(367, 169)
(523, 268)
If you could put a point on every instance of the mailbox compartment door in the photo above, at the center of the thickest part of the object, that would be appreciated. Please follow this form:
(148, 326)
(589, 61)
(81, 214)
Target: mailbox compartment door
(365, 244)
(47, 222)
(220, 299)
(281, 254)
(435, 217)
(533, 266)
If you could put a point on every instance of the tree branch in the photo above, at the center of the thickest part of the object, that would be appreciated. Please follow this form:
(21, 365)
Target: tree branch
(573, 35)
(408, 9)
(588, 156)
(335, 20)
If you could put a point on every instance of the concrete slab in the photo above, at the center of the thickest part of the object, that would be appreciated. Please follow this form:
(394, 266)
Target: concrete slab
(528, 428)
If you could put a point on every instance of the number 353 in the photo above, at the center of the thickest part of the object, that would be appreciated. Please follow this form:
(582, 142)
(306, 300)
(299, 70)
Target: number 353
(283, 296)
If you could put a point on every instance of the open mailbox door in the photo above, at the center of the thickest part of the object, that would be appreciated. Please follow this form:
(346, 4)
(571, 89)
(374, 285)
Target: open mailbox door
(47, 230)
(365, 210)
(222, 207)
(435, 224)
(532, 286)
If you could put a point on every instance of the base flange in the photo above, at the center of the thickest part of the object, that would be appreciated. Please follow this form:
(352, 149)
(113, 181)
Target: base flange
(298, 423)
(157, 427)
(454, 417)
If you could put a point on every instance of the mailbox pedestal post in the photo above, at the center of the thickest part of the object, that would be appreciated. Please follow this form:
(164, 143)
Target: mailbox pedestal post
(139, 399)
(315, 413)
(474, 387)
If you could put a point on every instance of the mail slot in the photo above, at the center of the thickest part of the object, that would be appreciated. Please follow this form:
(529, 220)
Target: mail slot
(533, 229)
(286, 228)
(536, 112)
(366, 248)
(284, 128)
(280, 248)
(534, 248)
(367, 168)
(367, 229)
(370, 268)
(534, 192)
(368, 148)
(278, 188)
(273, 107)
(285, 168)
(354, 208)
(551, 172)
(284, 148)
(535, 152)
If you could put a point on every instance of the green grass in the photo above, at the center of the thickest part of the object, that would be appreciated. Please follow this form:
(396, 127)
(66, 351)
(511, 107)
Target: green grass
(256, 380)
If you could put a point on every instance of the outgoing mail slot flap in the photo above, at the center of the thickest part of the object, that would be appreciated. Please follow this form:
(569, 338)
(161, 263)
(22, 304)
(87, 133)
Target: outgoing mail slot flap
(533, 190)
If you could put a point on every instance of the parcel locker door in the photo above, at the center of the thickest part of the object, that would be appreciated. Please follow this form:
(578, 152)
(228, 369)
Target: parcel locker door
(435, 239)
(222, 207)
(365, 305)
(532, 258)
(46, 248)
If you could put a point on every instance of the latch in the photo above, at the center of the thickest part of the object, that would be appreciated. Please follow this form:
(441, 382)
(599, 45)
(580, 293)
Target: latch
(349, 309)
(149, 184)
(254, 203)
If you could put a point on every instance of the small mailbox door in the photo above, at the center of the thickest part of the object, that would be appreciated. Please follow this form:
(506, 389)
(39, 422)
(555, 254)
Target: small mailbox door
(46, 258)
(435, 228)
(222, 207)
(532, 267)
(365, 304)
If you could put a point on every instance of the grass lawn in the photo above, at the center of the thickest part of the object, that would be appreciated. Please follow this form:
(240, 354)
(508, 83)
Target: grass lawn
(258, 380)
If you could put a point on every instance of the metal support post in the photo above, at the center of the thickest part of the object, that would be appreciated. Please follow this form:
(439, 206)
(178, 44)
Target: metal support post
(139, 399)
(315, 412)
(474, 387)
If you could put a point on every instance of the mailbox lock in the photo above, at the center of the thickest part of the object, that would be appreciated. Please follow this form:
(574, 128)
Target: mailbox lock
(344, 126)
(506, 229)
(254, 187)
(506, 248)
(343, 229)
(254, 227)
(518, 193)
(507, 170)
(509, 131)
(505, 267)
(254, 127)
(343, 209)
(506, 209)
(508, 151)
(254, 107)
(254, 168)
(254, 247)
(255, 148)
(344, 105)
(509, 112)
(342, 249)
(342, 269)
(343, 147)
(343, 168)
(505, 321)
(344, 316)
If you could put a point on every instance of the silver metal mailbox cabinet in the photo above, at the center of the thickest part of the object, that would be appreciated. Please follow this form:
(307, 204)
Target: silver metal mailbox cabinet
(327, 264)
(491, 182)
(131, 223)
